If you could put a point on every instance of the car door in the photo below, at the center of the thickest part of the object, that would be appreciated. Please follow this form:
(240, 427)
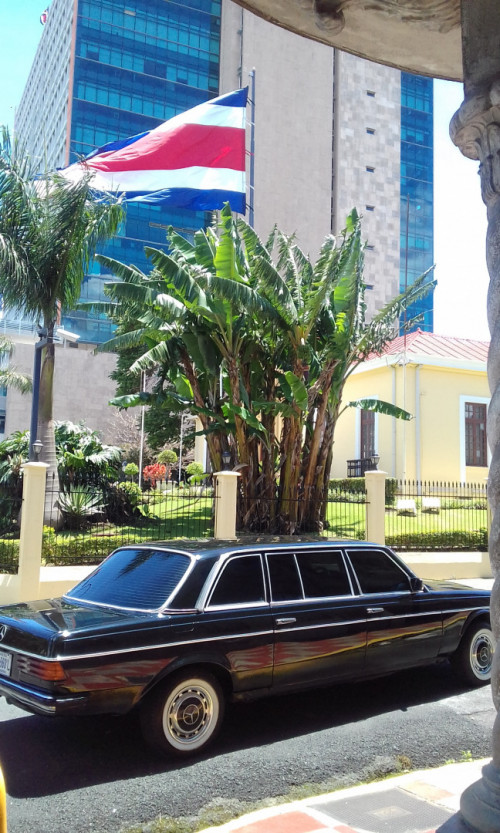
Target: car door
(404, 628)
(236, 622)
(319, 624)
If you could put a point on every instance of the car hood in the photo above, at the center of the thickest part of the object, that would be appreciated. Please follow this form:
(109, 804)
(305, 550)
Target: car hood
(446, 585)
(48, 627)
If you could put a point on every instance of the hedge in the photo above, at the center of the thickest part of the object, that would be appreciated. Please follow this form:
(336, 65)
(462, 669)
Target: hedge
(357, 486)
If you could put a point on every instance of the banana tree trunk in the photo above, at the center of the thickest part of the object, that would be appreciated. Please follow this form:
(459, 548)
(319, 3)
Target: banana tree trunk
(290, 474)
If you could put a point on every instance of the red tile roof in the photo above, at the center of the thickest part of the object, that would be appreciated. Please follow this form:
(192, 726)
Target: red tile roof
(433, 345)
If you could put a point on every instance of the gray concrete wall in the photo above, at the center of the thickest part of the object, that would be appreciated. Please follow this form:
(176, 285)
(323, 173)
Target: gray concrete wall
(82, 389)
(293, 132)
(356, 149)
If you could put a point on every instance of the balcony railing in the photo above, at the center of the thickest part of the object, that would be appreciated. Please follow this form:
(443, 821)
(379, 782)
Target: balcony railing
(357, 468)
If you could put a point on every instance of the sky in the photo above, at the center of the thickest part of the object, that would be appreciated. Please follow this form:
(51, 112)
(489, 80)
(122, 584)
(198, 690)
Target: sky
(459, 213)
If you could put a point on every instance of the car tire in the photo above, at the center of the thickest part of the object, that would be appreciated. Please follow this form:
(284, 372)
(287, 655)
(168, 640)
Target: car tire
(184, 714)
(474, 656)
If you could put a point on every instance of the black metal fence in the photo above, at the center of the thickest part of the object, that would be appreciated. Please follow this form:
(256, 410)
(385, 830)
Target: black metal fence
(10, 514)
(418, 515)
(95, 518)
(341, 515)
(438, 515)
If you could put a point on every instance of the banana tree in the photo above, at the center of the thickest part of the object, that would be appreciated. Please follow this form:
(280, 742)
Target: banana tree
(260, 349)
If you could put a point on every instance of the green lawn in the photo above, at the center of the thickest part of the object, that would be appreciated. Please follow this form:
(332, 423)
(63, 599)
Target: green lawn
(462, 526)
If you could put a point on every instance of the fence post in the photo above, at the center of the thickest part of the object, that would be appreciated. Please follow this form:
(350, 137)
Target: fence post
(375, 506)
(30, 540)
(226, 483)
(3, 805)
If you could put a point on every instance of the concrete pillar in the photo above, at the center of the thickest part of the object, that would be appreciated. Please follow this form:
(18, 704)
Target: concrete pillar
(200, 445)
(3, 805)
(226, 485)
(30, 541)
(375, 506)
(475, 129)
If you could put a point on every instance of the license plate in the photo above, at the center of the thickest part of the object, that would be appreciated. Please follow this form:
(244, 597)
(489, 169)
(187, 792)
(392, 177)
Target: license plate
(5, 663)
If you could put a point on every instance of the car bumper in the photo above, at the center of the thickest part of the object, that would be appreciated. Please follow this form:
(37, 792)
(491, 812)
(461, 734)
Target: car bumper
(41, 702)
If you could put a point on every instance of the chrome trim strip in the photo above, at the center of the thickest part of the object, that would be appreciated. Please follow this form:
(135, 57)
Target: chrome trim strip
(71, 657)
(272, 632)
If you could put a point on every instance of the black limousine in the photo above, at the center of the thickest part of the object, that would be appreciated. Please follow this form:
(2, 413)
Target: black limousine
(177, 630)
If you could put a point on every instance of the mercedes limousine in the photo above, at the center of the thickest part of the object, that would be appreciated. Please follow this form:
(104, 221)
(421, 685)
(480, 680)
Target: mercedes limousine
(175, 631)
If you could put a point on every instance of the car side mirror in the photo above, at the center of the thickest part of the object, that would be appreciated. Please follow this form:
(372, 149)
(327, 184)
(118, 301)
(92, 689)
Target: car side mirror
(416, 584)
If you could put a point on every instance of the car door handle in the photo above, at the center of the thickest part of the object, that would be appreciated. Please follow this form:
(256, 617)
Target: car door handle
(375, 609)
(287, 620)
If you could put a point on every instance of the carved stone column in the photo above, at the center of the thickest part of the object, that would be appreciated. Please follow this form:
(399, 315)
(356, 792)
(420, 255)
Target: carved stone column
(475, 129)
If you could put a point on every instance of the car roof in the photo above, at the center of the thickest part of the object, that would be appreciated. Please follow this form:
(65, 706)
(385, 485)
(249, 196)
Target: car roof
(210, 549)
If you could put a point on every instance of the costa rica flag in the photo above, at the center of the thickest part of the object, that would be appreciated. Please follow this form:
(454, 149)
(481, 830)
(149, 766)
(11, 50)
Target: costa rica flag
(195, 160)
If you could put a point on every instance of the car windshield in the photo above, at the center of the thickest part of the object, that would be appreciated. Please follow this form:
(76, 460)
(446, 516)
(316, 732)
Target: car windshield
(137, 579)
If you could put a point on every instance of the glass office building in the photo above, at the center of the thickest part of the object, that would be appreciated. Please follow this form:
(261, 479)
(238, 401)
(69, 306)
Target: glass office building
(136, 65)
(108, 69)
(417, 184)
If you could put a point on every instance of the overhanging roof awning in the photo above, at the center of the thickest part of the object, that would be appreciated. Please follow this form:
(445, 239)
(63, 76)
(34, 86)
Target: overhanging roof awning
(421, 36)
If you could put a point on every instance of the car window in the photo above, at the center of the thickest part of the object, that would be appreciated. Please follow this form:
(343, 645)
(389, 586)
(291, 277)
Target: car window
(139, 579)
(284, 576)
(323, 574)
(241, 582)
(377, 572)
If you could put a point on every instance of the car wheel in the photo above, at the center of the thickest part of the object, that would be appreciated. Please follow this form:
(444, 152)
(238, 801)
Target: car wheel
(182, 716)
(474, 656)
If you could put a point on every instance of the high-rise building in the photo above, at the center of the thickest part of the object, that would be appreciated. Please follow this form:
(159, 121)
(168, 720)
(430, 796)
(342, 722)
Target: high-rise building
(332, 131)
(108, 69)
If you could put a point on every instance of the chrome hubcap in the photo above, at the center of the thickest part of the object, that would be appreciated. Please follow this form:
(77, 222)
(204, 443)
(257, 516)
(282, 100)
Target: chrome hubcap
(482, 654)
(189, 715)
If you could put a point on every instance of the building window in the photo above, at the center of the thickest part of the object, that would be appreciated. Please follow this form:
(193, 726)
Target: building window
(367, 434)
(370, 169)
(371, 93)
(370, 130)
(475, 434)
(370, 207)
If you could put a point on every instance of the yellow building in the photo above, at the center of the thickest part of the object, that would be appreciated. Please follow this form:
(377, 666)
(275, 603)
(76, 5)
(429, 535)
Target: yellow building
(442, 382)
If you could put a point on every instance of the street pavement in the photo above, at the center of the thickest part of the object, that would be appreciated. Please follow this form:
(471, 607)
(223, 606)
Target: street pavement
(417, 802)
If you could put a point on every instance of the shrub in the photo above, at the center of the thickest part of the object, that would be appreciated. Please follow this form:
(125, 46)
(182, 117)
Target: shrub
(353, 490)
(474, 539)
(131, 470)
(123, 501)
(152, 474)
(195, 472)
(167, 457)
(78, 505)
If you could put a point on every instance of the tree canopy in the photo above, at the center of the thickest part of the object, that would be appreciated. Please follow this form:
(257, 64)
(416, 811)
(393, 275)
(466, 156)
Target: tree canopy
(49, 232)
(257, 341)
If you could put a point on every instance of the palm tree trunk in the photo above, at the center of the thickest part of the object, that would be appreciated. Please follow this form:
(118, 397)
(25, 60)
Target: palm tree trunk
(52, 515)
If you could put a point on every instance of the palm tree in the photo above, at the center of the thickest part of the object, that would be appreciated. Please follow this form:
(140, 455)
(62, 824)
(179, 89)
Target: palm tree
(49, 232)
(9, 375)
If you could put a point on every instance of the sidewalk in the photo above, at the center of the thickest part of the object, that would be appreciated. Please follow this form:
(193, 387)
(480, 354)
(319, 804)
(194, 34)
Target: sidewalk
(418, 802)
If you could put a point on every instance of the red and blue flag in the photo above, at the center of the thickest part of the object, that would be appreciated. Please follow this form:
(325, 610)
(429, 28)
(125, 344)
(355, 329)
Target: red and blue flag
(195, 160)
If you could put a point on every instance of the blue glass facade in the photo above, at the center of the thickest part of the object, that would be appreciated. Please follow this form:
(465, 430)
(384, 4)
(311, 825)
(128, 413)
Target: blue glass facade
(137, 63)
(417, 186)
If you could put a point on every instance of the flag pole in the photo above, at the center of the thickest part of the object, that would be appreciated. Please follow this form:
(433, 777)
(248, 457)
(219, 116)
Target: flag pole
(251, 201)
